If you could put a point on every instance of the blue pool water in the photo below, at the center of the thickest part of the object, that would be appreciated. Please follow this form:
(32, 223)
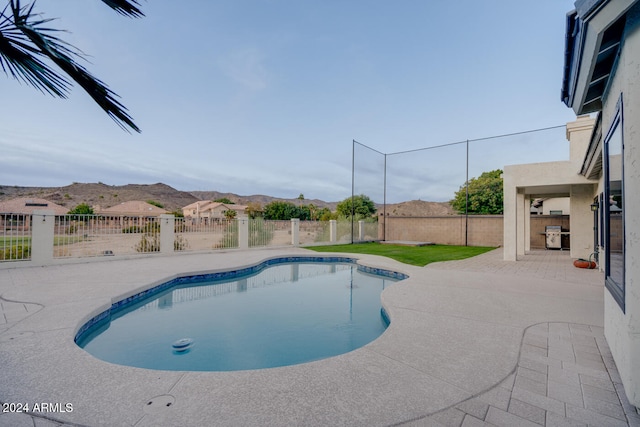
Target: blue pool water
(275, 314)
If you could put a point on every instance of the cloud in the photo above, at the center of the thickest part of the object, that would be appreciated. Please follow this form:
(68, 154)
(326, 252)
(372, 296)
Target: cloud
(246, 67)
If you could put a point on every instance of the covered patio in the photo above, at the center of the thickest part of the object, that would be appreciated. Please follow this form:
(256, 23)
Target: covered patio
(524, 183)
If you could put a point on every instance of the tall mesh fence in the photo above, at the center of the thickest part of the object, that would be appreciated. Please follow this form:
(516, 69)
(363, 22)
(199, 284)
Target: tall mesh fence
(436, 172)
(368, 179)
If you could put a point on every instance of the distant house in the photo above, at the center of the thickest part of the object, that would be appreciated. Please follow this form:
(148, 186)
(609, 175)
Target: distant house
(132, 208)
(203, 211)
(551, 206)
(16, 212)
(26, 205)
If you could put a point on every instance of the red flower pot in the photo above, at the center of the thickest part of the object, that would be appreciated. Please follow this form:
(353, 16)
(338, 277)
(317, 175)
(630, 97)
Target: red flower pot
(583, 263)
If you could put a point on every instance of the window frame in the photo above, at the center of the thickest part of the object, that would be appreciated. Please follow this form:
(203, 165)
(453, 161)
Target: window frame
(615, 287)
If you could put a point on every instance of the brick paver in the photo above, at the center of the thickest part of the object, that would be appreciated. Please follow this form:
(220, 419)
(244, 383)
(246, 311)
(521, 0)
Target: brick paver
(562, 395)
(565, 375)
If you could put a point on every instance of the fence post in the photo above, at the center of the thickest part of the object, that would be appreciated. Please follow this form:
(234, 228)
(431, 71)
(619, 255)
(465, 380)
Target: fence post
(361, 233)
(243, 233)
(333, 230)
(295, 231)
(167, 227)
(42, 231)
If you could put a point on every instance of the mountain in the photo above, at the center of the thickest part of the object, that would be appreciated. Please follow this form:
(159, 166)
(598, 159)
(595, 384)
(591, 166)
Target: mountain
(419, 208)
(103, 195)
(260, 198)
(109, 195)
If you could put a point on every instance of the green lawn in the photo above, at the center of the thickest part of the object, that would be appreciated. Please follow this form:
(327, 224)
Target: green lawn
(26, 240)
(15, 240)
(414, 255)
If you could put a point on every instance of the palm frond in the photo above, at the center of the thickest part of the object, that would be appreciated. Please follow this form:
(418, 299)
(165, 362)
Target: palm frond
(20, 60)
(63, 54)
(125, 7)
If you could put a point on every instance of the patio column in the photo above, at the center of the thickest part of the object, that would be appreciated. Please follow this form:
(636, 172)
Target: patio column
(527, 223)
(510, 216)
(520, 222)
(581, 221)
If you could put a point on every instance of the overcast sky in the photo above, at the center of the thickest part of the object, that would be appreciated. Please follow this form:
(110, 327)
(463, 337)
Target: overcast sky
(266, 96)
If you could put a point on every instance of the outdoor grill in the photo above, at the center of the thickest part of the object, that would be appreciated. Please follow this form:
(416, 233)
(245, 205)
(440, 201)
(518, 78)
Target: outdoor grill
(553, 238)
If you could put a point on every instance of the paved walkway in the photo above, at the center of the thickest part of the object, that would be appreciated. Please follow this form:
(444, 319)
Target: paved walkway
(565, 376)
(473, 342)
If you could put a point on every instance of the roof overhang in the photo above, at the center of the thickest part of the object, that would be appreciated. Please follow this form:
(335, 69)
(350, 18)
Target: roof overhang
(592, 163)
(546, 191)
(552, 191)
(592, 42)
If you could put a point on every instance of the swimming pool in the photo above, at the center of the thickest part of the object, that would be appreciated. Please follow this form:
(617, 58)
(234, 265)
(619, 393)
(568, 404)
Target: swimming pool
(280, 312)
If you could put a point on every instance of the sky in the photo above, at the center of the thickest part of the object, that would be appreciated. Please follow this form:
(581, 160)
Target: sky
(267, 96)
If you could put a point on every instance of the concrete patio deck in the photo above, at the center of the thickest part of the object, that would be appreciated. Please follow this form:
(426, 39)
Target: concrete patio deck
(474, 342)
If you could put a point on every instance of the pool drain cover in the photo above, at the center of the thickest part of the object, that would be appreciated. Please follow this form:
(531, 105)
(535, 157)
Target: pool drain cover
(159, 403)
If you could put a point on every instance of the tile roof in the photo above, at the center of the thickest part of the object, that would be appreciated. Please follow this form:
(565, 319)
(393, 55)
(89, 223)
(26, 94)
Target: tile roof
(26, 205)
(134, 207)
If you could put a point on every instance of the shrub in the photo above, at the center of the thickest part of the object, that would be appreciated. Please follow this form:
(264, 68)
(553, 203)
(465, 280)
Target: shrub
(230, 239)
(152, 227)
(15, 252)
(148, 243)
(180, 243)
(260, 232)
(82, 209)
(132, 229)
(156, 204)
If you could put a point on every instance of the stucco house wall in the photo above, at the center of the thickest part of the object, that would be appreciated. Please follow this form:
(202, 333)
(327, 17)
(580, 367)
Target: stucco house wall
(556, 204)
(622, 329)
(601, 75)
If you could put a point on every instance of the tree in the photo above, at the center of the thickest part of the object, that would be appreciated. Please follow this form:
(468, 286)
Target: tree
(325, 214)
(362, 206)
(25, 40)
(254, 209)
(224, 200)
(156, 204)
(278, 210)
(82, 209)
(485, 195)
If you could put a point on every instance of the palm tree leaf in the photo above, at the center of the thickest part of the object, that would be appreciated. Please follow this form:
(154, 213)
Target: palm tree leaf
(125, 7)
(20, 60)
(61, 53)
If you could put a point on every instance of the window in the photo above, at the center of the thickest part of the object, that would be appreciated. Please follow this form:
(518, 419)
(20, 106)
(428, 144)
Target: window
(601, 222)
(613, 156)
